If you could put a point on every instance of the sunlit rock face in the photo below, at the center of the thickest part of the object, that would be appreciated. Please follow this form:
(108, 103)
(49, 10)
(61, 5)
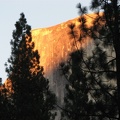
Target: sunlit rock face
(54, 45)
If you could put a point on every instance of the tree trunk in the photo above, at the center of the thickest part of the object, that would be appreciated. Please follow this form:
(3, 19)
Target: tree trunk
(116, 43)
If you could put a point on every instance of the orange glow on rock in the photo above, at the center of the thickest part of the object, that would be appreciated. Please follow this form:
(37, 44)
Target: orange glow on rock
(54, 44)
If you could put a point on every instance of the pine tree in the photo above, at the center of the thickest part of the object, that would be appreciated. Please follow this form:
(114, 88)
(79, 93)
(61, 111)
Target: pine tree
(31, 97)
(2, 102)
(77, 103)
(5, 106)
(3, 109)
(101, 66)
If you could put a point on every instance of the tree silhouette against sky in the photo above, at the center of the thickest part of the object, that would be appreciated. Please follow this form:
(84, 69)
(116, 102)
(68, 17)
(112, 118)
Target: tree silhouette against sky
(32, 98)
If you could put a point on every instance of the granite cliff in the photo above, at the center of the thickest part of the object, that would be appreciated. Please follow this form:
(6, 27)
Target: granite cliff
(54, 46)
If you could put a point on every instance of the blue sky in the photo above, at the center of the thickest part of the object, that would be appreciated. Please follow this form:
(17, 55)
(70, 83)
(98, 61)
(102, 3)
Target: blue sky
(39, 14)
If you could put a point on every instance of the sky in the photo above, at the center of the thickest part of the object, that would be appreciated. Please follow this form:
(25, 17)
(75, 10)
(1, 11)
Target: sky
(39, 14)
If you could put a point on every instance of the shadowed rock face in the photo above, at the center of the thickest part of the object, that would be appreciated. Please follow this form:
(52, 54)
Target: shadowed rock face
(54, 46)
